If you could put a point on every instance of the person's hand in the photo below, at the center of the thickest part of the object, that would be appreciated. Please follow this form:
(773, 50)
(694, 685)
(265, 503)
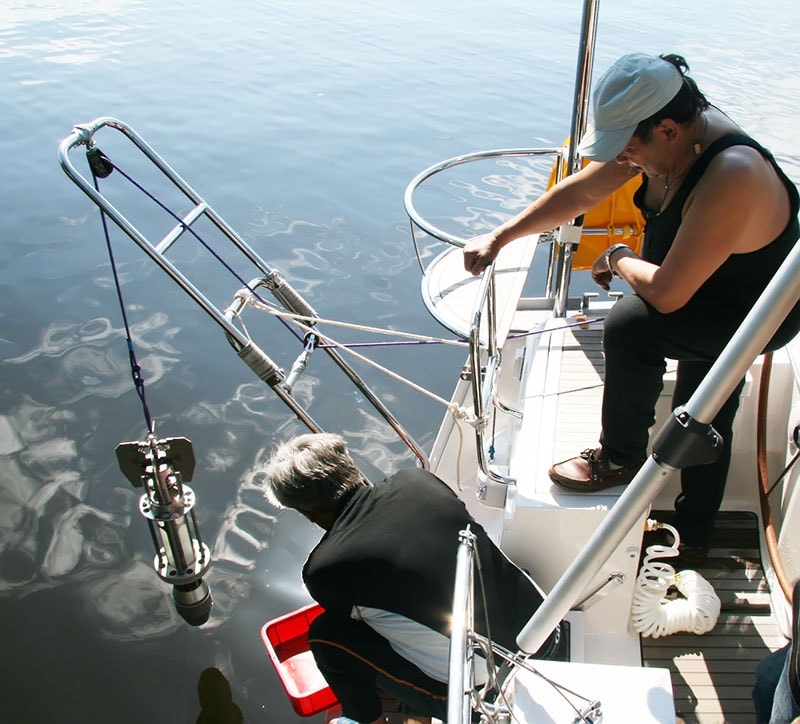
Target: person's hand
(479, 252)
(600, 273)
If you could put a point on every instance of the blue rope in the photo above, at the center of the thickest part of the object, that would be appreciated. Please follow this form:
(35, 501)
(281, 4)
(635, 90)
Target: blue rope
(208, 248)
(232, 271)
(136, 370)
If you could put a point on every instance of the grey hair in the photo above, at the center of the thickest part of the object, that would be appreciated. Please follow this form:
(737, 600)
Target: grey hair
(311, 472)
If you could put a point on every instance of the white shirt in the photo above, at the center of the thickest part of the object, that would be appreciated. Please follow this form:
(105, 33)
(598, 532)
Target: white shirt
(427, 649)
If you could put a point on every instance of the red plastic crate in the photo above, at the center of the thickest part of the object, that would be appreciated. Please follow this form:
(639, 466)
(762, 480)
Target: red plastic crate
(286, 641)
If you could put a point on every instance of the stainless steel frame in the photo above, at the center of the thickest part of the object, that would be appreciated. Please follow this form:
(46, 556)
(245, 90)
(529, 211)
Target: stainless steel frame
(255, 358)
(459, 672)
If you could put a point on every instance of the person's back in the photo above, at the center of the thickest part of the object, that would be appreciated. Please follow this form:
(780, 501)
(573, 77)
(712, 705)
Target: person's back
(384, 572)
(393, 547)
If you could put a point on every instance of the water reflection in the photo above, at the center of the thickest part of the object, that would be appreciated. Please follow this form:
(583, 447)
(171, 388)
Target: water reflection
(55, 529)
(89, 360)
(308, 152)
(216, 699)
(79, 45)
(49, 537)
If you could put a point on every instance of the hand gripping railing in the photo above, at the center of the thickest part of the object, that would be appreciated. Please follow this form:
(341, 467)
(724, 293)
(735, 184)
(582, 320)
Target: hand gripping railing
(254, 357)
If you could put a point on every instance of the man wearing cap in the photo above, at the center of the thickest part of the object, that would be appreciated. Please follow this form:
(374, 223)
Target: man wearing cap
(720, 216)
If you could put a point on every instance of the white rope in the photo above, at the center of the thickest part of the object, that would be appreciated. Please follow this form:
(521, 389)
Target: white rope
(651, 614)
(303, 320)
(458, 414)
(269, 309)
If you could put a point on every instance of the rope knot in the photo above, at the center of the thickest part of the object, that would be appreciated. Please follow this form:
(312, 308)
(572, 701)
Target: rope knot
(461, 413)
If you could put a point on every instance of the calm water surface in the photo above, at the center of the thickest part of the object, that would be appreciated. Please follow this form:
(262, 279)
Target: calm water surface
(301, 123)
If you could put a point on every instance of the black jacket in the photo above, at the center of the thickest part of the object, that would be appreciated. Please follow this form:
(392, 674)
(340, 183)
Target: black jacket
(393, 547)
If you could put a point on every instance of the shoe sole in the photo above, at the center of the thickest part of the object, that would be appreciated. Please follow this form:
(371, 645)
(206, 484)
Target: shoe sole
(589, 486)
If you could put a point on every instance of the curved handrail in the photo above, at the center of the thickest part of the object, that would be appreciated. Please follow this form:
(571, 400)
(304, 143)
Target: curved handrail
(408, 198)
(482, 383)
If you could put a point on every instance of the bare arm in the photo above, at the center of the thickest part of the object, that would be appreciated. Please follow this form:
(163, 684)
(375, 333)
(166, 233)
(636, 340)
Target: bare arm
(738, 206)
(563, 202)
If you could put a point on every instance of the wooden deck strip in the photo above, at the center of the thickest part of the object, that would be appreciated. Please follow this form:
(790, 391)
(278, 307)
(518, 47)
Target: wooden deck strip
(712, 675)
(580, 389)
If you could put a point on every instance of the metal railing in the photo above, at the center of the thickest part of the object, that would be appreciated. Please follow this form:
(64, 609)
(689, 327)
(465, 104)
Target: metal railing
(562, 250)
(459, 672)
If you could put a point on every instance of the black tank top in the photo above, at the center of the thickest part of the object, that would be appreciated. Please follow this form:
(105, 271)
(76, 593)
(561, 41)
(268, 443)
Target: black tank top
(742, 277)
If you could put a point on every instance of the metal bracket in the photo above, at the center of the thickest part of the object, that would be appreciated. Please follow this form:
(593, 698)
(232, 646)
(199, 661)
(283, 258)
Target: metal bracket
(133, 458)
(614, 579)
(684, 442)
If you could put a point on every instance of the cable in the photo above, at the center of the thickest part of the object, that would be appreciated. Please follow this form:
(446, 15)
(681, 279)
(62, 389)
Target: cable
(652, 614)
(136, 370)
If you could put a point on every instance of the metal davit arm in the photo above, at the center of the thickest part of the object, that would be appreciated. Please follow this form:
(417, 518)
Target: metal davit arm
(84, 135)
(254, 357)
(671, 447)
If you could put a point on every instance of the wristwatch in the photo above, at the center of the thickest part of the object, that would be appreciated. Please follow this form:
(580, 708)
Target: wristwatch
(609, 252)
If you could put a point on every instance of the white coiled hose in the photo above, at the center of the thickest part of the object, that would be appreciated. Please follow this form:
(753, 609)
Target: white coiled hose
(651, 614)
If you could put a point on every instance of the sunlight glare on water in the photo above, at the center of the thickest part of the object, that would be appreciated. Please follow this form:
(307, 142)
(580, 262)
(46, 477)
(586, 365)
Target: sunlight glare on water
(302, 124)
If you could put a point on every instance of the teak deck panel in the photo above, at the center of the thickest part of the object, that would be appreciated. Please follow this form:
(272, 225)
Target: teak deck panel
(712, 675)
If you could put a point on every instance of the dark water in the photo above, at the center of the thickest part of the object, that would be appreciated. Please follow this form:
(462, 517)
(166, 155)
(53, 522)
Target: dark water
(301, 123)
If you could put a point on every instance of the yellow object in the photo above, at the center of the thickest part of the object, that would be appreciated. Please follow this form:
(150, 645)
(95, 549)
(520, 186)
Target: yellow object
(617, 215)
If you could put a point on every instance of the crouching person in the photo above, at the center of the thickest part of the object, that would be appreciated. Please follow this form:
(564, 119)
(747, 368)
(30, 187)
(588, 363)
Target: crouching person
(384, 573)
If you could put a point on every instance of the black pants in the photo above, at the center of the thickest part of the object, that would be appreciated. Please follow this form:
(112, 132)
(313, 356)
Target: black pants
(357, 663)
(637, 340)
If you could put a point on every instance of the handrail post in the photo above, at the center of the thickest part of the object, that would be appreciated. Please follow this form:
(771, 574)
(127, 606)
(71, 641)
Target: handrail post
(569, 235)
(458, 700)
(483, 385)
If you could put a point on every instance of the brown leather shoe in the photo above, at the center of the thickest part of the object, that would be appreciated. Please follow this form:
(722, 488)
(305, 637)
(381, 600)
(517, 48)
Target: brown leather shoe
(590, 472)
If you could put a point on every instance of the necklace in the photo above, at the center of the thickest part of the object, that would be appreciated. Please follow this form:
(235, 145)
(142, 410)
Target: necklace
(697, 147)
(669, 186)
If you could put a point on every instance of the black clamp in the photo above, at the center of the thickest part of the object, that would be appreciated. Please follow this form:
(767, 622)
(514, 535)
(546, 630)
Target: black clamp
(684, 442)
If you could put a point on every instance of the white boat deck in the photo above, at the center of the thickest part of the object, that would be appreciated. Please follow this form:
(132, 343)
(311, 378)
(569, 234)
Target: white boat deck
(711, 675)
